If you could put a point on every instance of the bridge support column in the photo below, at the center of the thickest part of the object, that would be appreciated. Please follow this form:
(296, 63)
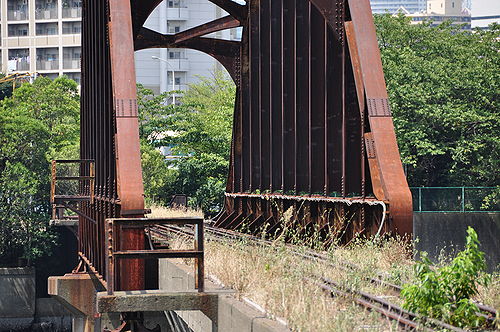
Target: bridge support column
(77, 292)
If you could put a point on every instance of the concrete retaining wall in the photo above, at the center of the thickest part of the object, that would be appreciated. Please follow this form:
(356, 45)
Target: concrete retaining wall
(17, 299)
(439, 232)
(233, 315)
(21, 310)
(50, 315)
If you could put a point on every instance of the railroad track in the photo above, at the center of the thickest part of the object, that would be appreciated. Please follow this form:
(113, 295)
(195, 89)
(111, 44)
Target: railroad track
(404, 318)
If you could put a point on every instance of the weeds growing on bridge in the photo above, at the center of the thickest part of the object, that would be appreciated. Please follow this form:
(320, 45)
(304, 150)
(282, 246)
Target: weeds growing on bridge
(274, 278)
(446, 293)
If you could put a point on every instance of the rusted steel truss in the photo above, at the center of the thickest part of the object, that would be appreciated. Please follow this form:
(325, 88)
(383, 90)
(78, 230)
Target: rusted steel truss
(312, 117)
(313, 132)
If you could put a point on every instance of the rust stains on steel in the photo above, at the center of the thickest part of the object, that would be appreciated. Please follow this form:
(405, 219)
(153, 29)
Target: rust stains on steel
(311, 119)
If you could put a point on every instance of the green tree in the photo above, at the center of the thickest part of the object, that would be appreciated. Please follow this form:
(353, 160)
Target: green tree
(159, 179)
(446, 293)
(38, 123)
(199, 133)
(443, 86)
(5, 88)
(154, 112)
(203, 127)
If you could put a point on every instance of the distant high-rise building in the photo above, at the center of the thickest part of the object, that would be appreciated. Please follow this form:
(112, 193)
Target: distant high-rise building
(41, 36)
(485, 12)
(165, 69)
(393, 6)
(439, 11)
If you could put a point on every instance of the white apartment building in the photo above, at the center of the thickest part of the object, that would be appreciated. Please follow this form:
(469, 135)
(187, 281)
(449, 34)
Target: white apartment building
(174, 69)
(41, 36)
(44, 36)
(393, 6)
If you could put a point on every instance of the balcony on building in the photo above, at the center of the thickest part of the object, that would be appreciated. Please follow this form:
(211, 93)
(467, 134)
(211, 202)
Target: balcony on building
(75, 77)
(19, 60)
(71, 58)
(17, 10)
(177, 10)
(46, 29)
(47, 58)
(179, 84)
(177, 60)
(52, 76)
(72, 28)
(71, 9)
(18, 30)
(46, 9)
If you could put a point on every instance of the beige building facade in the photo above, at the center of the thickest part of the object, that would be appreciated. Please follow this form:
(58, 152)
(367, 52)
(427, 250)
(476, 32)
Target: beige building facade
(440, 11)
(42, 36)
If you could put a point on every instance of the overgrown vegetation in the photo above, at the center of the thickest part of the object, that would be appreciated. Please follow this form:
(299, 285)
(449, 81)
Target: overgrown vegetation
(446, 293)
(273, 278)
(40, 122)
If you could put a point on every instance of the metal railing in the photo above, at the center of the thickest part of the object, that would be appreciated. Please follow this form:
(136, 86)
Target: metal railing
(46, 13)
(62, 197)
(72, 12)
(456, 199)
(115, 227)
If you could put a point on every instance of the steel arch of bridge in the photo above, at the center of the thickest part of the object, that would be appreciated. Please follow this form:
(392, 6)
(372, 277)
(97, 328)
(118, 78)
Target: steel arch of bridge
(312, 124)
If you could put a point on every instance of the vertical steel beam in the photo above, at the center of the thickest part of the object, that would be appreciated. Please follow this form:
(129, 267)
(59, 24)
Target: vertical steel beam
(255, 73)
(265, 93)
(302, 111)
(318, 104)
(392, 177)
(128, 162)
(276, 91)
(289, 95)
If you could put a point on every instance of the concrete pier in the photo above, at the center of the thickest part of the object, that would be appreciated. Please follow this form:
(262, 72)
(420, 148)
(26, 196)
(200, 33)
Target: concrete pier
(216, 309)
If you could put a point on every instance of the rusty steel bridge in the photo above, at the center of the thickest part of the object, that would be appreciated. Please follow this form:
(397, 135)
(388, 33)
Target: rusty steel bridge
(312, 128)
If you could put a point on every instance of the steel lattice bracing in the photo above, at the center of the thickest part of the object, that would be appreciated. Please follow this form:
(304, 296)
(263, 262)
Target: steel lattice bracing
(312, 124)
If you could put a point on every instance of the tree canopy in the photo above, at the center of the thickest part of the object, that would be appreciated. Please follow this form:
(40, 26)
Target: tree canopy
(443, 86)
(38, 123)
(199, 133)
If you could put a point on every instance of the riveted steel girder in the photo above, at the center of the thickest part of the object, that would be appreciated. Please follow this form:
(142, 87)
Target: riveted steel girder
(313, 131)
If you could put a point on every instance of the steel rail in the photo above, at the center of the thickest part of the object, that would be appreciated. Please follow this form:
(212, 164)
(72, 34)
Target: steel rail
(392, 307)
(367, 304)
(219, 234)
(307, 254)
(314, 255)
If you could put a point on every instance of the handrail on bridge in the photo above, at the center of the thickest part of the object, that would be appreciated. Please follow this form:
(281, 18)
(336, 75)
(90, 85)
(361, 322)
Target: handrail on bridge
(115, 225)
(59, 202)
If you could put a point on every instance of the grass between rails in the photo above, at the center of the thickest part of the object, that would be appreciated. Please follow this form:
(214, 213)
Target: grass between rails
(273, 278)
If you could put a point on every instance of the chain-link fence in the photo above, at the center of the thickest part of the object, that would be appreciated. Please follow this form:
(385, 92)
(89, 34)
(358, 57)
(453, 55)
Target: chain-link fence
(456, 199)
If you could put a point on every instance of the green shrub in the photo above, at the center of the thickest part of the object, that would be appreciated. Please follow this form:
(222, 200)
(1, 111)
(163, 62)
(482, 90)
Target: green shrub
(445, 293)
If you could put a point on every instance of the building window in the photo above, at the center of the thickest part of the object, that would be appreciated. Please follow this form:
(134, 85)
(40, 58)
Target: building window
(174, 55)
(18, 30)
(175, 4)
(174, 28)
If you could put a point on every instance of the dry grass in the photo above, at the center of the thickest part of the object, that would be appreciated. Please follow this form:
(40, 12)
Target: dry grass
(273, 278)
(491, 295)
(158, 211)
